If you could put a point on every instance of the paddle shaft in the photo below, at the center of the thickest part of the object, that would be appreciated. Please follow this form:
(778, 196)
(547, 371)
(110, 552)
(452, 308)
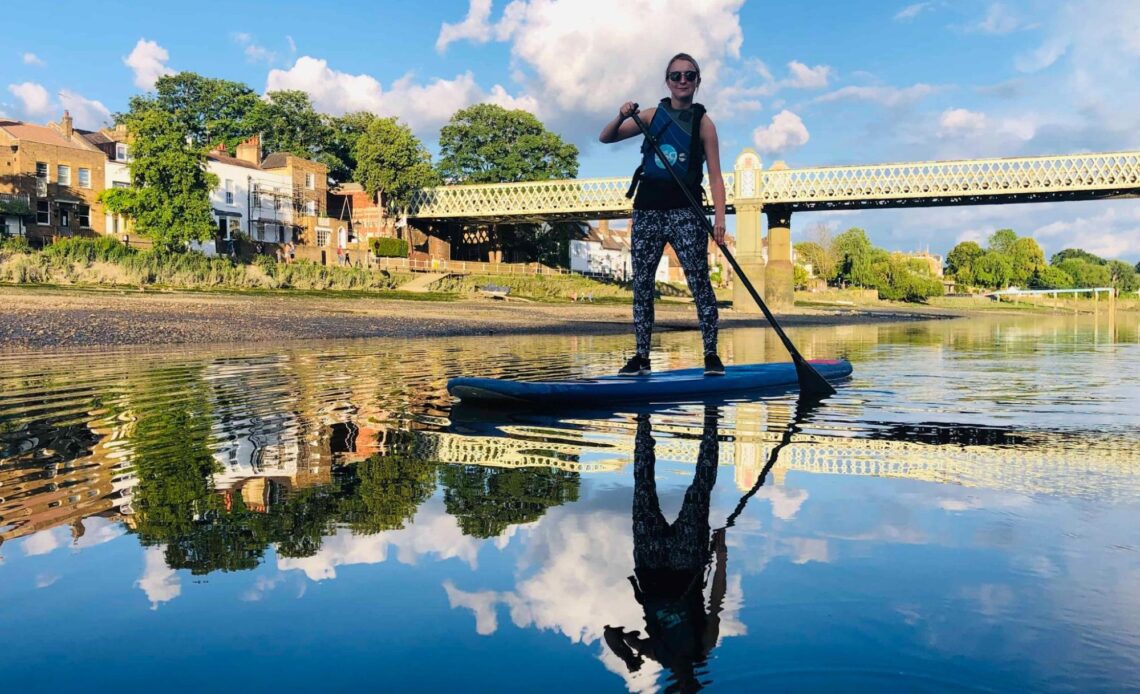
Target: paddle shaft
(810, 380)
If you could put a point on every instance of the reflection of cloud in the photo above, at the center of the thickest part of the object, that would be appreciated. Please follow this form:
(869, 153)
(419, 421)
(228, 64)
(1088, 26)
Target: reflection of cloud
(45, 580)
(432, 531)
(582, 561)
(786, 502)
(261, 586)
(159, 581)
(45, 541)
(805, 550)
(97, 530)
(993, 600)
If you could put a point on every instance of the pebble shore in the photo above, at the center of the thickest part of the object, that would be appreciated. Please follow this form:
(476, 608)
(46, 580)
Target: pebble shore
(40, 318)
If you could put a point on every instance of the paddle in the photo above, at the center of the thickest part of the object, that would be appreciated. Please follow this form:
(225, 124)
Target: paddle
(804, 405)
(810, 380)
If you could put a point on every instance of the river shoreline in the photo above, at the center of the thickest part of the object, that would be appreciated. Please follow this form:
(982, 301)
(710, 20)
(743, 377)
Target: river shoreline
(35, 318)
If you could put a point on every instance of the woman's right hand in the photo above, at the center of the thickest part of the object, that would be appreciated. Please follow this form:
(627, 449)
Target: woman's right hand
(627, 109)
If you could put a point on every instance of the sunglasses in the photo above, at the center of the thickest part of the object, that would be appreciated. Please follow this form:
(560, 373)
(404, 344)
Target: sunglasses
(689, 75)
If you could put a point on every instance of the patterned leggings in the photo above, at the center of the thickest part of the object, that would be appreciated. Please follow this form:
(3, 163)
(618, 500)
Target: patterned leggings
(682, 229)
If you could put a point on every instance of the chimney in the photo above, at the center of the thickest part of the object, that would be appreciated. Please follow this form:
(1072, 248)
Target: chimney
(250, 150)
(65, 124)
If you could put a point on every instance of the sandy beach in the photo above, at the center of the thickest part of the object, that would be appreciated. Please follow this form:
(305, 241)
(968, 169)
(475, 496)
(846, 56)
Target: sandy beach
(36, 318)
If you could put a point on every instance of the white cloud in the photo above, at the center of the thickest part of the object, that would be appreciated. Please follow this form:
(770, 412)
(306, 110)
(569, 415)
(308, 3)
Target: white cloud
(160, 582)
(292, 44)
(88, 114)
(45, 541)
(785, 132)
(424, 107)
(804, 77)
(148, 61)
(1043, 56)
(34, 99)
(1000, 20)
(958, 120)
(33, 59)
(575, 65)
(254, 52)
(911, 11)
(890, 97)
(474, 27)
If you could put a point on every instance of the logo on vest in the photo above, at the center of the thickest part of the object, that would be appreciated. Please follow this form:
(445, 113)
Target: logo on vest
(670, 153)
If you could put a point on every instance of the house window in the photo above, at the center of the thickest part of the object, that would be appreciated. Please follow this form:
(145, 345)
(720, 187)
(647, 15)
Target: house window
(43, 212)
(311, 208)
(310, 181)
(120, 152)
(84, 216)
(229, 191)
(63, 175)
(85, 178)
(234, 228)
(42, 170)
(120, 184)
(322, 237)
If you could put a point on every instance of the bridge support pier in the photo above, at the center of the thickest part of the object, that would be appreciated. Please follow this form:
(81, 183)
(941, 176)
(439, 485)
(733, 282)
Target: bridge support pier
(779, 276)
(749, 255)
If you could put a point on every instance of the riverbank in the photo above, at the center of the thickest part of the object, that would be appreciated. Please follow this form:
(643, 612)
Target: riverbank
(39, 317)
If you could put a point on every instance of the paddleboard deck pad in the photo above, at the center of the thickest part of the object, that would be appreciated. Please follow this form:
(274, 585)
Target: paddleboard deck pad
(659, 386)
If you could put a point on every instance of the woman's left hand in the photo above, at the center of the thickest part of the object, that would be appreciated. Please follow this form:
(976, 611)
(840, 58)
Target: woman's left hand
(718, 234)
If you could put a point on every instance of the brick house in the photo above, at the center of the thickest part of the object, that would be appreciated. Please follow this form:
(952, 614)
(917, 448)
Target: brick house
(59, 174)
(367, 218)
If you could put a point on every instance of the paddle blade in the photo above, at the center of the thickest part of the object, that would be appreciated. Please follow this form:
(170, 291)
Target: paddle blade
(811, 383)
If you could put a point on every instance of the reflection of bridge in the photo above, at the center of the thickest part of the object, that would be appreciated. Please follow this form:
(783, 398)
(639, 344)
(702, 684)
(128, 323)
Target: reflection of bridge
(782, 191)
(1036, 465)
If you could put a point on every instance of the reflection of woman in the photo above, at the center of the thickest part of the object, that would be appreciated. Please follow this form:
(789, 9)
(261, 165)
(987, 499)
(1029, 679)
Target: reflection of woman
(670, 562)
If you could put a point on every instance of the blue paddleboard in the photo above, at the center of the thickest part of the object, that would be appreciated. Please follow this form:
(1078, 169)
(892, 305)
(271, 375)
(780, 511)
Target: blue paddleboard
(664, 385)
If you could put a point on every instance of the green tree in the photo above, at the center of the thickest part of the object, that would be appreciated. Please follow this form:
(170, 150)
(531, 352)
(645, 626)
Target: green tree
(820, 258)
(800, 277)
(288, 123)
(1001, 241)
(960, 261)
(170, 187)
(851, 248)
(391, 160)
(1077, 253)
(486, 501)
(1025, 259)
(211, 110)
(1049, 277)
(992, 270)
(909, 279)
(1085, 273)
(486, 143)
(1123, 276)
(343, 132)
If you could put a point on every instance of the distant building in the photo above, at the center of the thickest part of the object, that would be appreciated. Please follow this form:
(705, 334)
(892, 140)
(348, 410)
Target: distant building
(115, 145)
(607, 251)
(50, 178)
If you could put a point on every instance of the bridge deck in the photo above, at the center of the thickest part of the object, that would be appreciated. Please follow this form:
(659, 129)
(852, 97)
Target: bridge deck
(913, 184)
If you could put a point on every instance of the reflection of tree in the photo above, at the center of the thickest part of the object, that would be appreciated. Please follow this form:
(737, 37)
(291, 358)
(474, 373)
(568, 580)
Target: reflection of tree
(389, 489)
(486, 501)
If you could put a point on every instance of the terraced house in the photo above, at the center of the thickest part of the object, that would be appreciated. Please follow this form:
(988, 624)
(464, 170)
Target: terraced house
(50, 177)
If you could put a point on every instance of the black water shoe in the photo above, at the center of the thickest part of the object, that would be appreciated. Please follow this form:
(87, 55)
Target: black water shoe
(713, 365)
(636, 366)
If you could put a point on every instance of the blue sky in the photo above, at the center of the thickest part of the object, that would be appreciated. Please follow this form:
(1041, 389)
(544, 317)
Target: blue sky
(813, 83)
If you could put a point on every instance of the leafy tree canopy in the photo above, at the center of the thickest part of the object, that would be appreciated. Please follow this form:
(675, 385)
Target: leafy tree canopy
(1025, 259)
(288, 122)
(819, 257)
(1050, 277)
(392, 161)
(169, 195)
(211, 110)
(486, 143)
(1085, 273)
(993, 270)
(1001, 241)
(1077, 253)
(960, 261)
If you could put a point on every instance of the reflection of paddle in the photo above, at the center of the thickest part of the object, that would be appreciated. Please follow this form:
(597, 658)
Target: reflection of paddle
(810, 380)
(804, 406)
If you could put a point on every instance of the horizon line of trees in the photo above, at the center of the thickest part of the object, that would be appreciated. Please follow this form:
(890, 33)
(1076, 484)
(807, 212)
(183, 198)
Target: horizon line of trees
(174, 127)
(850, 259)
(1009, 260)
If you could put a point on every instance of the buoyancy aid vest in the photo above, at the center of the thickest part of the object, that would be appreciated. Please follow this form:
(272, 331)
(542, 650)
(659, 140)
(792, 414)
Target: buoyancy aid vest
(677, 132)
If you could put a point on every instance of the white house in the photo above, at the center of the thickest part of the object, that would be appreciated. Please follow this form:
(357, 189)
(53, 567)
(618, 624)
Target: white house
(608, 252)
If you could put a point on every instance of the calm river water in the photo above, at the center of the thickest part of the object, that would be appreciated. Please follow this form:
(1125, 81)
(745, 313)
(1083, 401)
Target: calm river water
(961, 516)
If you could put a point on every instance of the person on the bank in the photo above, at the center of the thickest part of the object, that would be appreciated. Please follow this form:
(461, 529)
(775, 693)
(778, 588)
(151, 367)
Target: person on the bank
(661, 211)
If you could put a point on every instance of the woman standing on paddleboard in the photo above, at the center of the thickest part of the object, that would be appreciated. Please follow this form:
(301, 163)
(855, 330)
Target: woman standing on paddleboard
(661, 212)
